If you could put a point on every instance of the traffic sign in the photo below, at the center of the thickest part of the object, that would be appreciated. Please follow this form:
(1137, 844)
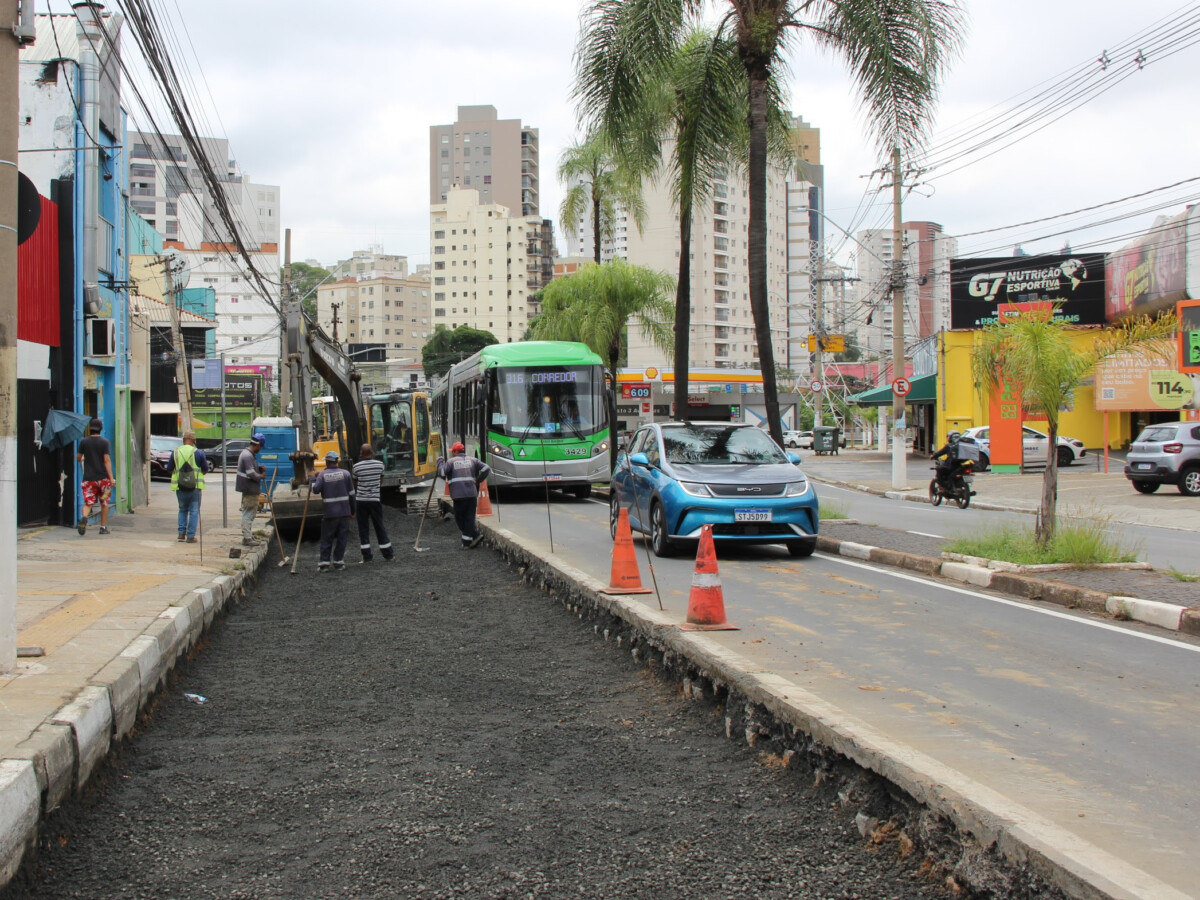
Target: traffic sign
(901, 387)
(817, 387)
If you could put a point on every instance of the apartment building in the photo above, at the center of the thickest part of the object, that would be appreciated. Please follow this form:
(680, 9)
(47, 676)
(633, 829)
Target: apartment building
(487, 265)
(496, 157)
(927, 254)
(385, 310)
(169, 191)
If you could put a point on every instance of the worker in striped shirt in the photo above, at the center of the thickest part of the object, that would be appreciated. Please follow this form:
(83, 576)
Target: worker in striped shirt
(368, 473)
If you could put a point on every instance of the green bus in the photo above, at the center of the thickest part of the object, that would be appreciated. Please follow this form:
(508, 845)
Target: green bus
(536, 412)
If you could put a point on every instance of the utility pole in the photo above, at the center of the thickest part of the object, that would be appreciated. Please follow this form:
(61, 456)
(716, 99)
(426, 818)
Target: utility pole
(285, 372)
(819, 351)
(899, 454)
(182, 382)
(335, 307)
(9, 107)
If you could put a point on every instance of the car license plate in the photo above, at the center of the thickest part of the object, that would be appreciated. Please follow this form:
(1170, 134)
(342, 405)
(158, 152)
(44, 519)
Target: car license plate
(752, 515)
(1143, 466)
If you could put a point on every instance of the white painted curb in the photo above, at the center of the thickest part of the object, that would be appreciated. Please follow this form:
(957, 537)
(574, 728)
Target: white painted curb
(20, 805)
(1152, 612)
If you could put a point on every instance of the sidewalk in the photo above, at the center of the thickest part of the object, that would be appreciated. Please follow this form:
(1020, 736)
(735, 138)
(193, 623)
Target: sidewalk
(111, 614)
(1084, 489)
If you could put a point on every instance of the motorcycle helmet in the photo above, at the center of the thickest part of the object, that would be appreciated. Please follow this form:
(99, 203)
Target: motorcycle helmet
(953, 436)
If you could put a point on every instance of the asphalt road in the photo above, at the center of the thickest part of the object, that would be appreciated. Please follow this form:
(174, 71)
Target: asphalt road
(1163, 548)
(1087, 722)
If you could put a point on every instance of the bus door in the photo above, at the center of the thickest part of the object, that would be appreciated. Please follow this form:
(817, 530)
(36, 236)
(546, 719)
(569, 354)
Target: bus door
(421, 415)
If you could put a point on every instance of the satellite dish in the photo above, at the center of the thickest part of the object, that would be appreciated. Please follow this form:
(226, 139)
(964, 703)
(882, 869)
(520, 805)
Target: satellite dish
(180, 267)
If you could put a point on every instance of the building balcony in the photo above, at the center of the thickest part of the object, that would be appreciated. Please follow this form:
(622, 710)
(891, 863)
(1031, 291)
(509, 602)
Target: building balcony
(720, 243)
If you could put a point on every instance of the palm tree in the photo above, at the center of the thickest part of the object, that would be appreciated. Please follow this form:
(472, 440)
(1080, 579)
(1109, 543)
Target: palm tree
(597, 304)
(692, 99)
(602, 183)
(896, 50)
(1034, 352)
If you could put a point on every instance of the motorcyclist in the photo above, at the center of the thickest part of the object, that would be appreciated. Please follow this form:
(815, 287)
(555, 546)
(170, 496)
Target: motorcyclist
(949, 463)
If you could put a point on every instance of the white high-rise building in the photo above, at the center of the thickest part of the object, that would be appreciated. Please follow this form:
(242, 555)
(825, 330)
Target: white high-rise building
(169, 191)
(486, 265)
(722, 328)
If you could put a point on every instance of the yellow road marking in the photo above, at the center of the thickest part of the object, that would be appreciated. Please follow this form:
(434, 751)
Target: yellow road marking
(65, 622)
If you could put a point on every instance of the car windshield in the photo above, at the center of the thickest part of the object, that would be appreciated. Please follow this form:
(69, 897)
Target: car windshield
(165, 444)
(719, 445)
(1159, 434)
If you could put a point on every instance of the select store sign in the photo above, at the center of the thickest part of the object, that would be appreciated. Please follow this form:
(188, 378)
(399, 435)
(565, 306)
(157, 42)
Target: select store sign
(1138, 381)
(982, 289)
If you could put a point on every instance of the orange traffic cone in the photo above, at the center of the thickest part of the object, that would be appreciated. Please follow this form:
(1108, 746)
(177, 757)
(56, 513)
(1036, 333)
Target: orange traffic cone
(484, 506)
(446, 492)
(625, 578)
(706, 604)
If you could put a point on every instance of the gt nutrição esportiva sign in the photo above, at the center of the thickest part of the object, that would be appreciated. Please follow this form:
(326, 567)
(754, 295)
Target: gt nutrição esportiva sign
(1073, 282)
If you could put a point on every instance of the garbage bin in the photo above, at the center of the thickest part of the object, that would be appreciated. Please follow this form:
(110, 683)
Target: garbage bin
(826, 439)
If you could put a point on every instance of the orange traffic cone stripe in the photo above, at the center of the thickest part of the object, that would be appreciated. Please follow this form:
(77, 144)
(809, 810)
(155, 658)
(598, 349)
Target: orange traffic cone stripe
(484, 507)
(625, 578)
(706, 603)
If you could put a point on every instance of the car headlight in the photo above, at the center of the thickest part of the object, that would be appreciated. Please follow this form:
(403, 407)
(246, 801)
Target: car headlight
(695, 489)
(501, 451)
(1077, 443)
(797, 489)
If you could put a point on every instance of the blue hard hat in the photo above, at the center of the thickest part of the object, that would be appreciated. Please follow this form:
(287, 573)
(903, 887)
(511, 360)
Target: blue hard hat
(259, 439)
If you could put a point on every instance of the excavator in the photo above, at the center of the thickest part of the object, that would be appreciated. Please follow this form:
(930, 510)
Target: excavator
(397, 423)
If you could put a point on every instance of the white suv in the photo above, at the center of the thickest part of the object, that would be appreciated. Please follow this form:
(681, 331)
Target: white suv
(1166, 454)
(802, 440)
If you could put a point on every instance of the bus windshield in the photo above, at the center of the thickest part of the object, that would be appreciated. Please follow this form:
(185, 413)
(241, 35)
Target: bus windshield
(547, 401)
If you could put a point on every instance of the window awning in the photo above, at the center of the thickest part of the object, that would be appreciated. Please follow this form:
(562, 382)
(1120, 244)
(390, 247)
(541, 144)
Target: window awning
(924, 390)
(162, 409)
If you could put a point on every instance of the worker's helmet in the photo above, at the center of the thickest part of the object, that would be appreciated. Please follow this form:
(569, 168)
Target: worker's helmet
(332, 456)
(953, 436)
(258, 438)
(458, 447)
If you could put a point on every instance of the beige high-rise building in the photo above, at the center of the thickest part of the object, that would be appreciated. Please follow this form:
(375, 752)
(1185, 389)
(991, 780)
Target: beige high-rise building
(486, 265)
(388, 310)
(496, 157)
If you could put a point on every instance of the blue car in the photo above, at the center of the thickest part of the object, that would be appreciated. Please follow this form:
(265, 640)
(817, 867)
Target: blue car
(676, 477)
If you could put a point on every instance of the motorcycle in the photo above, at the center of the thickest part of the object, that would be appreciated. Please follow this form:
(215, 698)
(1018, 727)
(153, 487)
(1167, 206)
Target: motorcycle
(958, 489)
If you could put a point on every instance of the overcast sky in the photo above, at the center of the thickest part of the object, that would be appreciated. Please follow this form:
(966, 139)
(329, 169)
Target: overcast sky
(333, 103)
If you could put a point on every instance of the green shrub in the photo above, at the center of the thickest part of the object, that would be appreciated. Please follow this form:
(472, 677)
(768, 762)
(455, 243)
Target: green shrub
(1080, 542)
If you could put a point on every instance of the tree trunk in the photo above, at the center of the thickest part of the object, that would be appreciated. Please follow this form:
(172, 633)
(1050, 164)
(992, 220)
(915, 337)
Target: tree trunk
(1047, 511)
(760, 307)
(596, 222)
(683, 311)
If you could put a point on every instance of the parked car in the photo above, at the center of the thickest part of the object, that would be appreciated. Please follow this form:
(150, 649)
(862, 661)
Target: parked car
(226, 453)
(161, 448)
(678, 477)
(1166, 454)
(1035, 445)
(801, 440)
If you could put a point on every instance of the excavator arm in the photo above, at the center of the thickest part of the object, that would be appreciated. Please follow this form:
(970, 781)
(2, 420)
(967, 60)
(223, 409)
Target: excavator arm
(309, 351)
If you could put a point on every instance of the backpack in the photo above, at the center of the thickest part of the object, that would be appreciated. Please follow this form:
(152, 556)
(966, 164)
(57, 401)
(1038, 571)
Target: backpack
(187, 474)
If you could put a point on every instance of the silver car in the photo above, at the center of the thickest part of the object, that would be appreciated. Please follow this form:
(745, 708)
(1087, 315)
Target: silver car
(1166, 454)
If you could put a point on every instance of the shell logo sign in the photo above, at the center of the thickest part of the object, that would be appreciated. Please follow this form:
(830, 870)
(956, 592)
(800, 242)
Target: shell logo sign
(651, 373)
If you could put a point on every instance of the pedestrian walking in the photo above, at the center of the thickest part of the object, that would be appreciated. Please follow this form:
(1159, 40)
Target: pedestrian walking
(249, 484)
(368, 474)
(336, 487)
(96, 456)
(187, 467)
(464, 474)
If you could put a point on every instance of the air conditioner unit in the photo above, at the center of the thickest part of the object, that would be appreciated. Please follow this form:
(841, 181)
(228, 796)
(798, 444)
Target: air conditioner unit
(101, 337)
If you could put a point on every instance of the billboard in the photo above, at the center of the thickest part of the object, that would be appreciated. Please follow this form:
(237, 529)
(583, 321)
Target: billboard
(1148, 275)
(1141, 381)
(1074, 281)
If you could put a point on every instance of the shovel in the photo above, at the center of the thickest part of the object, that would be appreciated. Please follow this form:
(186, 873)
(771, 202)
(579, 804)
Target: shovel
(417, 548)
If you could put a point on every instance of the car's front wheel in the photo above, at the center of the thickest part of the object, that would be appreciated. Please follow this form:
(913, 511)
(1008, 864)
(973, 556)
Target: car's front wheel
(984, 461)
(1065, 457)
(659, 542)
(802, 548)
(1145, 487)
(1189, 481)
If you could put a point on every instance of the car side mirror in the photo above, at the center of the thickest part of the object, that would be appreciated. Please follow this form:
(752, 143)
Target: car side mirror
(640, 459)
(794, 458)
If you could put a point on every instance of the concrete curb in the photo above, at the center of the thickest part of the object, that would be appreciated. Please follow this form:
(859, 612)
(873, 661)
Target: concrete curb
(59, 758)
(1025, 840)
(1008, 580)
